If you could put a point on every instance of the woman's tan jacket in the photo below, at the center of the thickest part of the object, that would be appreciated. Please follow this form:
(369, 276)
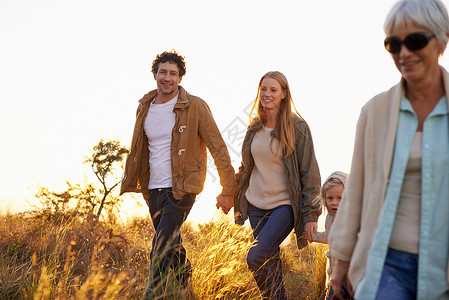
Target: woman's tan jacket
(359, 212)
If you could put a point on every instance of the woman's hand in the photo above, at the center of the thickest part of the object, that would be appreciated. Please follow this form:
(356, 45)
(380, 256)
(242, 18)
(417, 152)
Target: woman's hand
(340, 276)
(309, 230)
(225, 202)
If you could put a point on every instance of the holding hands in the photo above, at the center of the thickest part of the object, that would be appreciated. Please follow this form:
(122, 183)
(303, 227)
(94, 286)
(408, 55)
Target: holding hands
(225, 202)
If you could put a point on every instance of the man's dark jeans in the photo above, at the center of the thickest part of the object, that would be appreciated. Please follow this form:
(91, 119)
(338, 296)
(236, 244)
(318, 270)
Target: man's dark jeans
(168, 214)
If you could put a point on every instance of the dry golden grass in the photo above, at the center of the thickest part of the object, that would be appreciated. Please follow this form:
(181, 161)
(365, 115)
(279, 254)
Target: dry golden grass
(66, 257)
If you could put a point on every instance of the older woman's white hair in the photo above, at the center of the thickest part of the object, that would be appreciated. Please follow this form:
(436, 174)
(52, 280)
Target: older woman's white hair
(429, 14)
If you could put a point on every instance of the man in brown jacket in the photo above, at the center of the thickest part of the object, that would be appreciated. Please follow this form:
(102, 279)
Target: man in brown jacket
(167, 164)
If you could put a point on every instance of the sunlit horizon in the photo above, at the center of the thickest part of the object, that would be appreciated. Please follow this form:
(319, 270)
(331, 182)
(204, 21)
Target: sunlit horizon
(72, 73)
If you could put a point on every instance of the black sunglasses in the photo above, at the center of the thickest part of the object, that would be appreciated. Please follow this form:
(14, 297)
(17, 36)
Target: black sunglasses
(414, 41)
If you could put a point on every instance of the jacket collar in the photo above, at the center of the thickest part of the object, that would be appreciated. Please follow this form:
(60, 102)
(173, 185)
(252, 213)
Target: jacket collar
(395, 103)
(183, 98)
(255, 126)
(259, 125)
(148, 97)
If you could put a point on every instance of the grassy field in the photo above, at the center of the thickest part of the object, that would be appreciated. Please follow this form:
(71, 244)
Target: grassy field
(67, 257)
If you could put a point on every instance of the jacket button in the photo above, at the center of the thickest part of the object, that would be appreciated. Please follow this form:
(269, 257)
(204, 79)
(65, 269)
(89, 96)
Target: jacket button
(180, 151)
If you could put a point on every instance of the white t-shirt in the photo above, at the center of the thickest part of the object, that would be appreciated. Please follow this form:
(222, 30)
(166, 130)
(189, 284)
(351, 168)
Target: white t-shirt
(158, 127)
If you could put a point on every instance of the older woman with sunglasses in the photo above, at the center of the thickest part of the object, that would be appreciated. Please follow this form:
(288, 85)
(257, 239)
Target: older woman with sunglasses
(390, 237)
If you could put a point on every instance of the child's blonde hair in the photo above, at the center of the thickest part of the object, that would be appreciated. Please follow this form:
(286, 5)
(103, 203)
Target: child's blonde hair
(335, 178)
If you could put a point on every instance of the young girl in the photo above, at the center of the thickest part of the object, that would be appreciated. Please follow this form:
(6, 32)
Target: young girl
(330, 197)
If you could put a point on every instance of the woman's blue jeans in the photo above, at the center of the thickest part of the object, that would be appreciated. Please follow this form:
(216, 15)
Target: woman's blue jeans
(399, 277)
(270, 228)
(167, 252)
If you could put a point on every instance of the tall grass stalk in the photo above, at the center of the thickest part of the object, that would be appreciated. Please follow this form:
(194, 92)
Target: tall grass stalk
(222, 255)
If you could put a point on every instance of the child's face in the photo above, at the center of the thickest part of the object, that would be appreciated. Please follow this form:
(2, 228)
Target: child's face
(333, 197)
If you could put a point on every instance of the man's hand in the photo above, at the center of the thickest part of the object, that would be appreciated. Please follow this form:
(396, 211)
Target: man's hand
(339, 276)
(309, 230)
(225, 202)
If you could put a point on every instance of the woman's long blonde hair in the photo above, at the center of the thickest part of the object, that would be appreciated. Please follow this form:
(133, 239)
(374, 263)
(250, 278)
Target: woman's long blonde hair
(285, 123)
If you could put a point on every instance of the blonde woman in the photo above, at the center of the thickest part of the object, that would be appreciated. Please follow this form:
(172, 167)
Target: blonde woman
(278, 182)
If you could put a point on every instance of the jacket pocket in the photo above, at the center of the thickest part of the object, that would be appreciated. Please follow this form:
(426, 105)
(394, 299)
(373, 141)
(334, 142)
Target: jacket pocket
(194, 177)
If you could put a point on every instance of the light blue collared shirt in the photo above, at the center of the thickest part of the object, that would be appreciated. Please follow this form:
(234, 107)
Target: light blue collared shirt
(434, 229)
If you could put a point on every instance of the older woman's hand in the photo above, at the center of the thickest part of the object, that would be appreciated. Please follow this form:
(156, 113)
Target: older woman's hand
(339, 276)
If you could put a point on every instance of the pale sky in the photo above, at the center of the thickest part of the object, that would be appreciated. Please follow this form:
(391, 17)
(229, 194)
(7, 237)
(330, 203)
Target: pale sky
(71, 72)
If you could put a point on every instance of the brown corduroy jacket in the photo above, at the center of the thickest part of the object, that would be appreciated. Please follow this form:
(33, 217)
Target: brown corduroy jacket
(194, 130)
